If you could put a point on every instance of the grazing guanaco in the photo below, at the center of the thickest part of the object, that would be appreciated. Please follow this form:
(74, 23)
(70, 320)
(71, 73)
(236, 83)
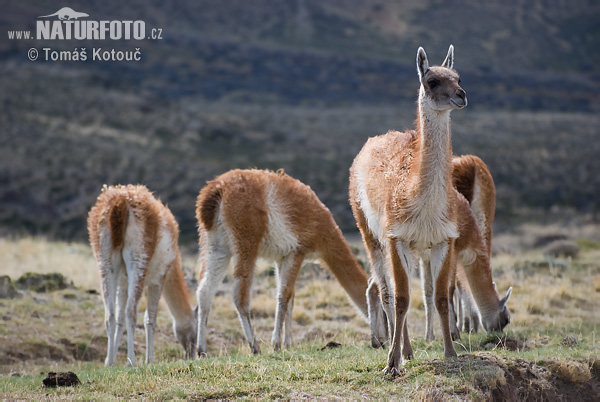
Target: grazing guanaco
(134, 240)
(473, 179)
(404, 202)
(247, 214)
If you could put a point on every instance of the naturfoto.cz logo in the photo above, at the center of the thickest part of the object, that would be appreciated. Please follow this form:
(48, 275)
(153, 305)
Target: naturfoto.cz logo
(68, 24)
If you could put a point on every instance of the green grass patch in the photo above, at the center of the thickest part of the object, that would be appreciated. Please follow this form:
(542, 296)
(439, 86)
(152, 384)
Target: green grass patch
(350, 371)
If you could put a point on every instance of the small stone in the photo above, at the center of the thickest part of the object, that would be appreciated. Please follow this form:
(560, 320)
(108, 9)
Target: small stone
(570, 340)
(7, 288)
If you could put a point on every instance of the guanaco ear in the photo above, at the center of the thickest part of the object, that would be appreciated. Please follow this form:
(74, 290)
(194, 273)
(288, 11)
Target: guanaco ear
(449, 61)
(505, 298)
(422, 63)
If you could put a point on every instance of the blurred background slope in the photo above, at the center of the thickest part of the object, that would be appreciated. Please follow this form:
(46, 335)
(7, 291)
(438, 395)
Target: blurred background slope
(298, 85)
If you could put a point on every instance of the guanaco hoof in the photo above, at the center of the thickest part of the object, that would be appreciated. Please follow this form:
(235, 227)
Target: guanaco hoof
(394, 371)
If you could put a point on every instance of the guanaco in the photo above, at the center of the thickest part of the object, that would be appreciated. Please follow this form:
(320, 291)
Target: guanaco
(134, 240)
(404, 203)
(247, 214)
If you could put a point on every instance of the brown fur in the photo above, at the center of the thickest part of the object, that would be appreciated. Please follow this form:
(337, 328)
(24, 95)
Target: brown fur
(112, 210)
(468, 172)
(175, 290)
(241, 196)
(463, 175)
(209, 207)
(118, 222)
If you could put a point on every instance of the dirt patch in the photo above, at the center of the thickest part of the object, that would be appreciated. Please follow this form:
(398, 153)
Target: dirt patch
(551, 380)
(82, 350)
(503, 341)
(36, 350)
(61, 350)
(497, 378)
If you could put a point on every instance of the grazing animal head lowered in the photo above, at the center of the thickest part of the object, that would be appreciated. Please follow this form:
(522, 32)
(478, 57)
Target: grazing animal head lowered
(186, 334)
(247, 214)
(134, 240)
(501, 318)
(477, 292)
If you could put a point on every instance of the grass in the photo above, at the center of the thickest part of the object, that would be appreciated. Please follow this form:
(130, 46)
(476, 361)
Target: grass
(552, 340)
(351, 371)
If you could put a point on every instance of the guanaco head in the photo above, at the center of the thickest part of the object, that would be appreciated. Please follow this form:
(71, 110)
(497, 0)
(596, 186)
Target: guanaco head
(440, 85)
(503, 318)
(185, 332)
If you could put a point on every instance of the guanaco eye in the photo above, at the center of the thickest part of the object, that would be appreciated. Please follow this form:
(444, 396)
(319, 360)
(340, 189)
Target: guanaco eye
(459, 80)
(433, 83)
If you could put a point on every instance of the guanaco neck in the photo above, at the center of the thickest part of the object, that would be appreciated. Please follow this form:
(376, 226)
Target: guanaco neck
(177, 294)
(338, 256)
(482, 288)
(433, 162)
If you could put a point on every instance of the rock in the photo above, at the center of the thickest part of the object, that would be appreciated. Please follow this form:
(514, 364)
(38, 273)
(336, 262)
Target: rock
(562, 248)
(546, 239)
(570, 340)
(7, 288)
(42, 283)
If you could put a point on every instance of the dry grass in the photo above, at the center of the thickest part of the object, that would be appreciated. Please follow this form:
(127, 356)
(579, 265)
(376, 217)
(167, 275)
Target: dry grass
(553, 322)
(39, 255)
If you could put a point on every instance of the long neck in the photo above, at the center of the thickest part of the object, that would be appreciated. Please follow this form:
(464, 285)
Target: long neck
(434, 159)
(479, 276)
(176, 293)
(337, 255)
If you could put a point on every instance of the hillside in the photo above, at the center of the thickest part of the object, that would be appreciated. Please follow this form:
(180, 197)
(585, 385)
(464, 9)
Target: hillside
(294, 85)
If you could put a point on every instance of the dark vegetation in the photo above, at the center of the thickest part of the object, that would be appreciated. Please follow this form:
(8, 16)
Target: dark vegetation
(294, 85)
